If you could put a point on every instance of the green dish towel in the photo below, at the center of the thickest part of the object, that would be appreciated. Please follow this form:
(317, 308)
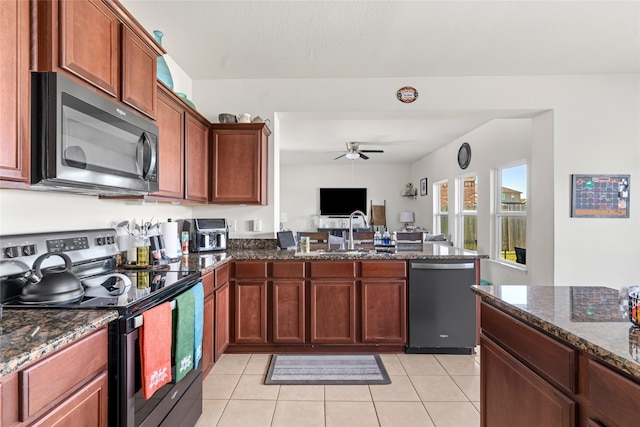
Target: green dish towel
(183, 334)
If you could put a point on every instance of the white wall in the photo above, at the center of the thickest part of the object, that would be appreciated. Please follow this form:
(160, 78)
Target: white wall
(299, 188)
(493, 145)
(594, 123)
(595, 130)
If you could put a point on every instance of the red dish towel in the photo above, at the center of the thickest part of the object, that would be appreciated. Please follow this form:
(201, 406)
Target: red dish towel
(155, 348)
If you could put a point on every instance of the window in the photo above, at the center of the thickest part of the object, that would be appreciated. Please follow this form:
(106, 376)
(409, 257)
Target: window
(468, 215)
(511, 214)
(441, 208)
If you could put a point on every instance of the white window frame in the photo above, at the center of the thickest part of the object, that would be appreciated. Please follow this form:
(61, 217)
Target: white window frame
(499, 213)
(461, 213)
(437, 214)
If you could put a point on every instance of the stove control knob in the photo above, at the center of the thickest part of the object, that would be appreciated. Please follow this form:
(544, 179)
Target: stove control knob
(29, 250)
(11, 252)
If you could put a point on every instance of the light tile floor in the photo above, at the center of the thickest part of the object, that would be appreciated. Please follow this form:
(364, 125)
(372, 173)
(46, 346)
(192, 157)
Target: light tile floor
(425, 390)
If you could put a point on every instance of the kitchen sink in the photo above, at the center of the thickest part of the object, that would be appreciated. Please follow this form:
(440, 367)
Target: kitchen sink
(352, 252)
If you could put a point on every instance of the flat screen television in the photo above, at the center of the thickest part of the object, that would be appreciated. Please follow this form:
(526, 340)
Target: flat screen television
(342, 201)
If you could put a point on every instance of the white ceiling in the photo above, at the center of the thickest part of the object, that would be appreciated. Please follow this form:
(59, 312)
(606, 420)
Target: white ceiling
(368, 39)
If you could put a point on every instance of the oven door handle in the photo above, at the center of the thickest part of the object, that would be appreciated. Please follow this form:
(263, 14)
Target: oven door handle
(137, 321)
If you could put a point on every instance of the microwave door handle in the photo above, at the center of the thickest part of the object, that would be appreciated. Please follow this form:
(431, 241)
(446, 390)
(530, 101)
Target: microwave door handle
(146, 139)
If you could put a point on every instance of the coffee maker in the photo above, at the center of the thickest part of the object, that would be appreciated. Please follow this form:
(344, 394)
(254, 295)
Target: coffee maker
(207, 234)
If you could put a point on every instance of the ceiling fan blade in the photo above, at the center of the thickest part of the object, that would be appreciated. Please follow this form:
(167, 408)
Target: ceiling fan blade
(363, 156)
(340, 156)
(372, 151)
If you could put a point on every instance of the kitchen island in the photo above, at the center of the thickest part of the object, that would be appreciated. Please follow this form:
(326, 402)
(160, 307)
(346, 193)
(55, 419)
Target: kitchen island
(557, 356)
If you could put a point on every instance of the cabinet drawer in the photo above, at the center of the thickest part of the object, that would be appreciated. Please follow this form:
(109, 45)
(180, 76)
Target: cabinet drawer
(384, 269)
(251, 269)
(540, 352)
(333, 269)
(614, 399)
(44, 383)
(222, 275)
(287, 269)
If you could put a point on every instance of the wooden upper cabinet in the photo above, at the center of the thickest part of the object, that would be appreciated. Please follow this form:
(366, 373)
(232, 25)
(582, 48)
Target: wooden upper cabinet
(138, 63)
(102, 45)
(239, 158)
(196, 149)
(14, 87)
(170, 146)
(89, 43)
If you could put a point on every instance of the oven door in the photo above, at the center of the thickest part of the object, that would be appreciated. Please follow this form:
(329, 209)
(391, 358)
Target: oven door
(171, 405)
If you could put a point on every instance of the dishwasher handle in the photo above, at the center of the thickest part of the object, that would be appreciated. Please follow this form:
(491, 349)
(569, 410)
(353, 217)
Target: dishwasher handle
(437, 266)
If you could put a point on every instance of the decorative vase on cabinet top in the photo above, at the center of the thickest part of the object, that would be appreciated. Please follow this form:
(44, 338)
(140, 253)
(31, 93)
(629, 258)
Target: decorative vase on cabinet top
(163, 72)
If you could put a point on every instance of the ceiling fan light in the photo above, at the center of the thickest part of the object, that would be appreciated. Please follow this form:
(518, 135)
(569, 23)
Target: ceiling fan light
(352, 156)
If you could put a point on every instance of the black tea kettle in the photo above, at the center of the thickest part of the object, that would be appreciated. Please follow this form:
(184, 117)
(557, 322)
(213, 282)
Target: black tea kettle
(53, 285)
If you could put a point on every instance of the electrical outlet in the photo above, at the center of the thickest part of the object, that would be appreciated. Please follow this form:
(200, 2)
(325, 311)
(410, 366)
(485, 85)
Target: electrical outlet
(257, 225)
(233, 225)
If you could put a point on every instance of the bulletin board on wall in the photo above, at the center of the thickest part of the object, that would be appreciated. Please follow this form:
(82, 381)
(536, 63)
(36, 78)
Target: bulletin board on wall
(600, 196)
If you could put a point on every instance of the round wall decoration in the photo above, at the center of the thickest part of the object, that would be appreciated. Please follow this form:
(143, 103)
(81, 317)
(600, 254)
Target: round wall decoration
(464, 155)
(407, 94)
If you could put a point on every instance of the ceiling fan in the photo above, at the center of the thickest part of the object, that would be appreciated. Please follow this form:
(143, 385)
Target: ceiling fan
(354, 152)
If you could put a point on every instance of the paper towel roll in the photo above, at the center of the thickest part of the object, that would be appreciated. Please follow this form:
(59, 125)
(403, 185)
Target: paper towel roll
(170, 232)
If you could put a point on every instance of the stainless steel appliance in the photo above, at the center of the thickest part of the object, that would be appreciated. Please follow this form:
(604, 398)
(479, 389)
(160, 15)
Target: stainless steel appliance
(206, 234)
(84, 143)
(442, 307)
(93, 255)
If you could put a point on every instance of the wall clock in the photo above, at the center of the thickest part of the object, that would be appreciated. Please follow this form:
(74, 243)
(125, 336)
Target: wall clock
(407, 94)
(464, 155)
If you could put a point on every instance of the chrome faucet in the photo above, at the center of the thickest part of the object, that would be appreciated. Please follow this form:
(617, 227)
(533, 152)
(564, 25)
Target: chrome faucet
(366, 224)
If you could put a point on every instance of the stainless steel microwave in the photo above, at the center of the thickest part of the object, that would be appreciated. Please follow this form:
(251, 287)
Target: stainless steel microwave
(84, 143)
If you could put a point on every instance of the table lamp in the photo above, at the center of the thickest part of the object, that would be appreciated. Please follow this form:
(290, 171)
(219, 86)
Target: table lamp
(407, 218)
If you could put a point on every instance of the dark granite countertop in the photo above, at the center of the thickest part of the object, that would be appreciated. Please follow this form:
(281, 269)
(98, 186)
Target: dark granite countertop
(207, 261)
(29, 335)
(592, 319)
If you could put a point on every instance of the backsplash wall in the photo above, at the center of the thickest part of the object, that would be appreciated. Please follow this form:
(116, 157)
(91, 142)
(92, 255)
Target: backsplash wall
(40, 211)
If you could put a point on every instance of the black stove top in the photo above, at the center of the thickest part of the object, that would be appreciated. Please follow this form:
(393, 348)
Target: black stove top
(127, 290)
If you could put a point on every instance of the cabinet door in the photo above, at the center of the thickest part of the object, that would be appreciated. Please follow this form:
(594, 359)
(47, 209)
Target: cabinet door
(221, 326)
(14, 87)
(614, 400)
(251, 312)
(86, 407)
(139, 62)
(92, 55)
(333, 311)
(196, 136)
(513, 395)
(288, 311)
(239, 164)
(208, 348)
(171, 147)
(384, 311)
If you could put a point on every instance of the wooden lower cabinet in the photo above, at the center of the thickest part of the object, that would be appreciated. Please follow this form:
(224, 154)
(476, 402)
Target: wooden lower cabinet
(222, 321)
(384, 311)
(613, 399)
(513, 395)
(66, 388)
(305, 304)
(288, 311)
(529, 378)
(250, 298)
(333, 311)
(208, 347)
(87, 407)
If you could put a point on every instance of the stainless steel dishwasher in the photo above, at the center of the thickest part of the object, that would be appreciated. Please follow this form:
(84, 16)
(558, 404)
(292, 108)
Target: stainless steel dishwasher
(442, 307)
